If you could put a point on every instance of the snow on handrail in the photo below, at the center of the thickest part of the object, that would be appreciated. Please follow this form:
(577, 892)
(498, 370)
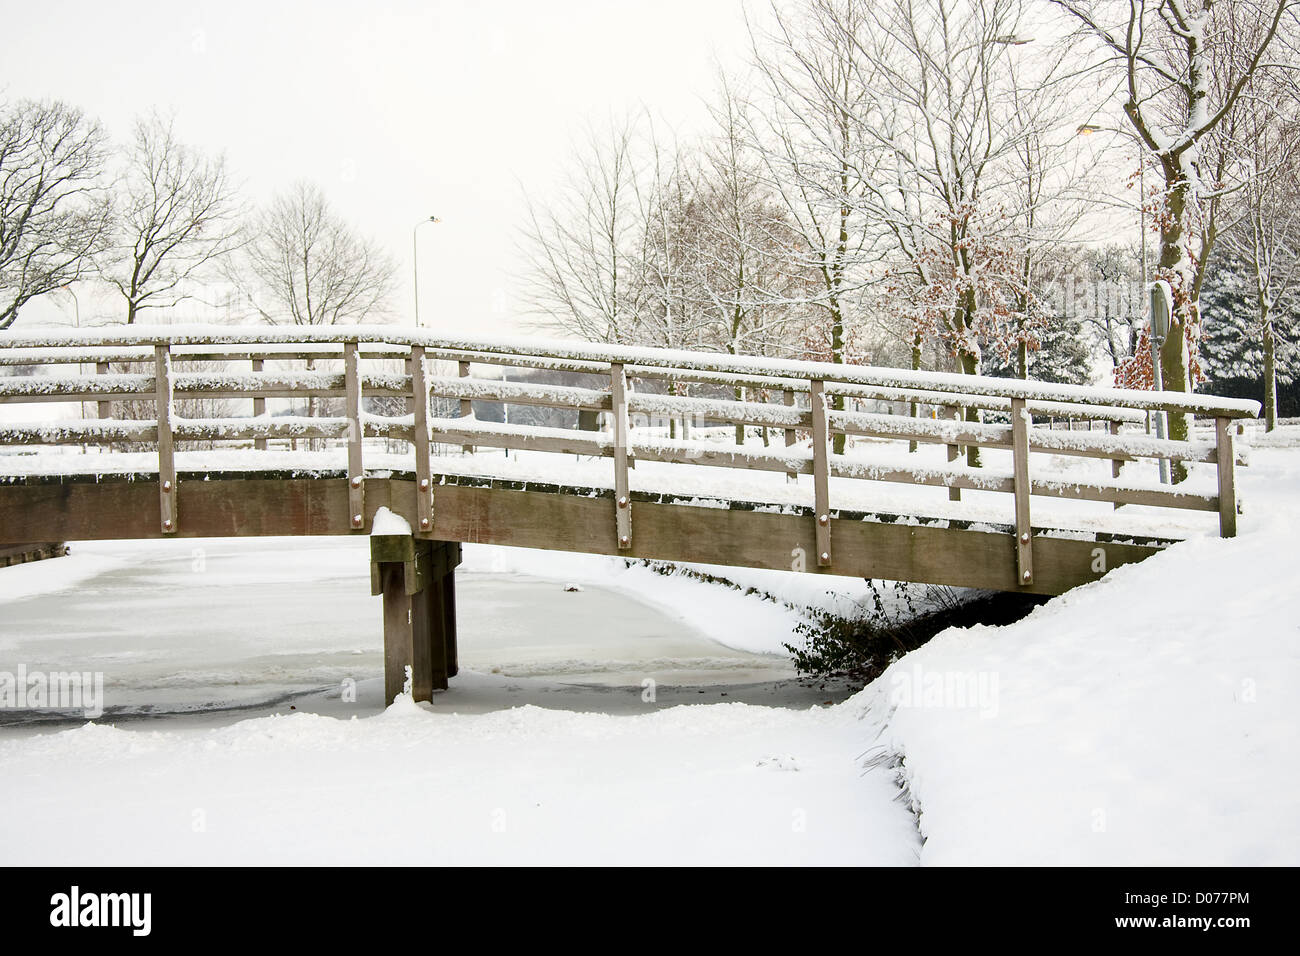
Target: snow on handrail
(180, 335)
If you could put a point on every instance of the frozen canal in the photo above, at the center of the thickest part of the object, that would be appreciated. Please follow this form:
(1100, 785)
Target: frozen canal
(226, 738)
(231, 625)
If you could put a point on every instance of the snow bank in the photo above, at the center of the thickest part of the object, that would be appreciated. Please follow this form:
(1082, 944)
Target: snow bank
(21, 581)
(1148, 718)
(693, 785)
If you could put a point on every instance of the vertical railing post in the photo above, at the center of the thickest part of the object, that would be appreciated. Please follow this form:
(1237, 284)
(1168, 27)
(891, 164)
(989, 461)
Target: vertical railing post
(420, 423)
(356, 468)
(105, 409)
(953, 413)
(789, 433)
(1226, 459)
(162, 360)
(622, 427)
(1115, 463)
(466, 406)
(821, 472)
(259, 406)
(1020, 456)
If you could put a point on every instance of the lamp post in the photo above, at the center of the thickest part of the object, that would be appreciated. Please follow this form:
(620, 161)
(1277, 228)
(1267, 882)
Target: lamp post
(415, 262)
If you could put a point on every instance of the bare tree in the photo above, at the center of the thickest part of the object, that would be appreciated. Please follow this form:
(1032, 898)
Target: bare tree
(306, 266)
(54, 213)
(809, 131)
(671, 315)
(583, 249)
(960, 114)
(1111, 309)
(178, 217)
(748, 264)
(1183, 66)
(1266, 234)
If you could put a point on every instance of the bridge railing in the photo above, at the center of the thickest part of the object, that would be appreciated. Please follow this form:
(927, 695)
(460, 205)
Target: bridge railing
(807, 404)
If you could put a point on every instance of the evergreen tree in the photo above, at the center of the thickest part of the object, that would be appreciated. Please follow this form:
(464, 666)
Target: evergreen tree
(1062, 357)
(1231, 344)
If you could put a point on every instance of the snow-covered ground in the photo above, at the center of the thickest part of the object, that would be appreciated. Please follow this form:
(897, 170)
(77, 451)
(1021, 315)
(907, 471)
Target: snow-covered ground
(1150, 717)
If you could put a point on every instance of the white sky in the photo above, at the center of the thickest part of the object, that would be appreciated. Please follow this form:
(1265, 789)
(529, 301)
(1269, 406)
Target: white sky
(397, 109)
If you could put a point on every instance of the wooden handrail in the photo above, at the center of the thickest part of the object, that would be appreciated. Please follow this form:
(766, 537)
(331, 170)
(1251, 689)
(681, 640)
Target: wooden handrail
(792, 397)
(635, 357)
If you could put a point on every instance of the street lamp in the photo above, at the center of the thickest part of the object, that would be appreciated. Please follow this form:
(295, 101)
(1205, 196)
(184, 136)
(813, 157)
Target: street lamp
(415, 262)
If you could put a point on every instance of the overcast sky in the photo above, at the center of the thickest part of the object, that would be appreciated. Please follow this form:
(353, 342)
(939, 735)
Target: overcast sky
(398, 109)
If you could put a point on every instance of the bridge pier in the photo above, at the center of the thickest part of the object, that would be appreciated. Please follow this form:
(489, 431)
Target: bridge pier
(417, 579)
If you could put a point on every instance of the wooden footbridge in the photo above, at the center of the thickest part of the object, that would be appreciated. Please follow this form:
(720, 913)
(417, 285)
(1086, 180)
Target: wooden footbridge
(167, 432)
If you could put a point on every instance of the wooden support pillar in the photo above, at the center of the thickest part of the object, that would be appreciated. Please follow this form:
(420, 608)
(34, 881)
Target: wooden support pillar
(1020, 456)
(416, 578)
(821, 473)
(1226, 460)
(162, 357)
(449, 615)
(259, 407)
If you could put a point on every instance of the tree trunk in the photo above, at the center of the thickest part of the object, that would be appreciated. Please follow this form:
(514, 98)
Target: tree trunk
(1174, 365)
(1270, 373)
(916, 367)
(969, 359)
(837, 356)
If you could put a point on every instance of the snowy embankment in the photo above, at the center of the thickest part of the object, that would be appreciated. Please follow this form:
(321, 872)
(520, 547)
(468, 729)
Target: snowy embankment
(719, 783)
(1148, 718)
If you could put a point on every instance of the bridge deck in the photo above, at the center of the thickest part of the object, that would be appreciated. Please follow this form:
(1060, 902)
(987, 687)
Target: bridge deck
(880, 530)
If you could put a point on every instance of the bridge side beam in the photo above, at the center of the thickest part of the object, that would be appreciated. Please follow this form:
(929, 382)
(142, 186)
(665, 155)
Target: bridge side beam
(45, 509)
